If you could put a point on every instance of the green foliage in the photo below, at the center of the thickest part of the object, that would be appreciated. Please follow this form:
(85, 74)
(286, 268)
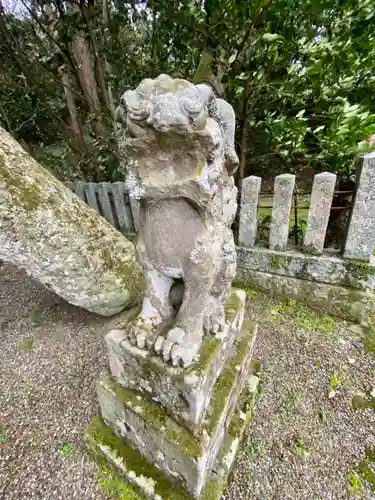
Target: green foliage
(27, 344)
(299, 75)
(67, 449)
(3, 436)
(299, 447)
(354, 481)
(334, 380)
(298, 231)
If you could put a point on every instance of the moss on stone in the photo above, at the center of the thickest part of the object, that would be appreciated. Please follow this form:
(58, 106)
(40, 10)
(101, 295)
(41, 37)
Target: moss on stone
(211, 344)
(99, 434)
(311, 250)
(232, 306)
(242, 415)
(347, 303)
(209, 348)
(228, 378)
(213, 490)
(155, 415)
(113, 486)
(28, 193)
(38, 198)
(279, 261)
(357, 271)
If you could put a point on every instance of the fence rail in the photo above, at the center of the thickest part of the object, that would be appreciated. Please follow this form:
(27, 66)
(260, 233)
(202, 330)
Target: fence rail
(360, 231)
(111, 201)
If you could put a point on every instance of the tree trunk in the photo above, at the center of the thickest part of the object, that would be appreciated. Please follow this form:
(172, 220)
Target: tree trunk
(107, 65)
(71, 103)
(86, 75)
(101, 73)
(244, 135)
(58, 240)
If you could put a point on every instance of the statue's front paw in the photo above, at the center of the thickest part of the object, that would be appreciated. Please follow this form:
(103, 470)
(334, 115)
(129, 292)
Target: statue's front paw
(178, 346)
(143, 332)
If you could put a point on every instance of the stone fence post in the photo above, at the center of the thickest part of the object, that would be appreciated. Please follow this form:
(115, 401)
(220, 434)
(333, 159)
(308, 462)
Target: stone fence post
(360, 239)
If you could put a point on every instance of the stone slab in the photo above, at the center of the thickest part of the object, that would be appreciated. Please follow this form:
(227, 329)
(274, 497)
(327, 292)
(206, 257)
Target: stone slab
(327, 268)
(343, 302)
(185, 393)
(110, 450)
(161, 440)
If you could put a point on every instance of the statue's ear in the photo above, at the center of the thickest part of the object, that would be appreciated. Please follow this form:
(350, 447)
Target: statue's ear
(227, 120)
(206, 95)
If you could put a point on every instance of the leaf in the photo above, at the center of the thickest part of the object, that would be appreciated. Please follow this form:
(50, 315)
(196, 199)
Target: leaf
(318, 129)
(271, 37)
(300, 113)
(358, 402)
(232, 58)
(239, 90)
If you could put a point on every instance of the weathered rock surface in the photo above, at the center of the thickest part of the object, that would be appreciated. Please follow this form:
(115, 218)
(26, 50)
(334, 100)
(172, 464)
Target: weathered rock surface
(58, 240)
(346, 303)
(328, 269)
(148, 478)
(184, 393)
(282, 204)
(182, 456)
(361, 234)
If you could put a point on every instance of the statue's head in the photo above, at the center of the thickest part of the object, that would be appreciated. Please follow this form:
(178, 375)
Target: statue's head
(173, 130)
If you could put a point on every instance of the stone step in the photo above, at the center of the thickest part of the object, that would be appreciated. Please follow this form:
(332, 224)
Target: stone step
(184, 392)
(170, 446)
(105, 445)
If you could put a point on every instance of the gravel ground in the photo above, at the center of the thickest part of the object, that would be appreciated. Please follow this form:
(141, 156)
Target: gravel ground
(306, 440)
(303, 442)
(51, 354)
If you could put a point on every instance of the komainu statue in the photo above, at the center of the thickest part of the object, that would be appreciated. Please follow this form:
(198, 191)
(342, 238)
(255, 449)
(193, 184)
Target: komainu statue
(179, 143)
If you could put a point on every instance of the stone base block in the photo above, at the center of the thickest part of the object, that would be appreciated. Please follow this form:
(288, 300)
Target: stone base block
(346, 303)
(184, 393)
(182, 456)
(109, 449)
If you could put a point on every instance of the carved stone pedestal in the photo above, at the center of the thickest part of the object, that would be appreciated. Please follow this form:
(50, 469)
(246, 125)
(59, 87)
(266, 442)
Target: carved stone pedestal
(174, 432)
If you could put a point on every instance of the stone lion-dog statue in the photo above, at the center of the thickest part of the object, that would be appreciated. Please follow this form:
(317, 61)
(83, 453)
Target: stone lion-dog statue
(178, 143)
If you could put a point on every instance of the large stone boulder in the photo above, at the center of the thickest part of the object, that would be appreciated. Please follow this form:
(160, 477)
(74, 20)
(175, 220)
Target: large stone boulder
(58, 240)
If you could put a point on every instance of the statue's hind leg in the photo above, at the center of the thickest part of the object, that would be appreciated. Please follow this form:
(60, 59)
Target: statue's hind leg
(214, 320)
